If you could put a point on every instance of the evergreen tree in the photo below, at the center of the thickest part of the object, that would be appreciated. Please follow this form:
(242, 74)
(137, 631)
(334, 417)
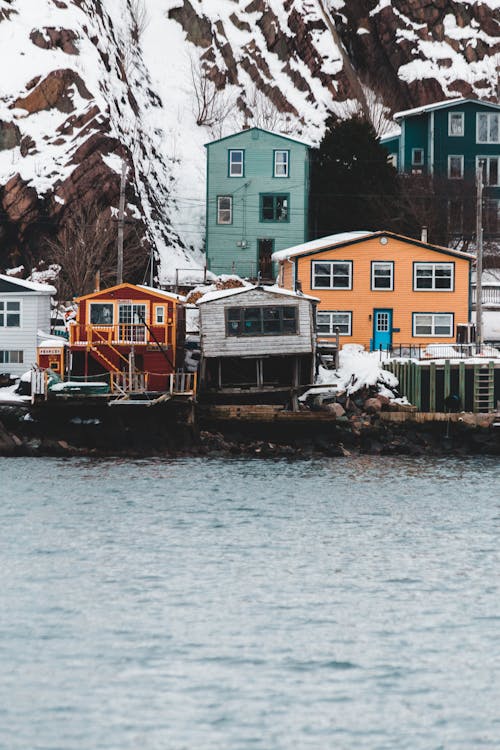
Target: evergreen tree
(353, 186)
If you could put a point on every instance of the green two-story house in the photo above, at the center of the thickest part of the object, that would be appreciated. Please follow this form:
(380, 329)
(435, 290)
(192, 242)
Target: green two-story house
(447, 140)
(257, 200)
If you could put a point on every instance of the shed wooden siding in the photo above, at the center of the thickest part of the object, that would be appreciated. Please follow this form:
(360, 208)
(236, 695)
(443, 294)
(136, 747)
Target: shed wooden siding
(35, 315)
(215, 343)
(362, 301)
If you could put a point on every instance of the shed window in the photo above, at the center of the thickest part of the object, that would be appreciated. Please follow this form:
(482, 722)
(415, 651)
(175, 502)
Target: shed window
(224, 209)
(436, 277)
(274, 207)
(10, 314)
(281, 163)
(261, 321)
(236, 163)
(160, 314)
(11, 357)
(455, 123)
(417, 157)
(433, 324)
(332, 274)
(328, 322)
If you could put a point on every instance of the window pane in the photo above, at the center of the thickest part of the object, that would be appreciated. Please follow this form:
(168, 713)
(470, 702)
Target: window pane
(442, 325)
(493, 128)
(13, 320)
(424, 277)
(267, 207)
(342, 322)
(281, 208)
(456, 123)
(224, 209)
(341, 275)
(493, 171)
(382, 275)
(14, 306)
(455, 167)
(423, 325)
(322, 274)
(236, 163)
(281, 163)
(443, 277)
(482, 128)
(323, 322)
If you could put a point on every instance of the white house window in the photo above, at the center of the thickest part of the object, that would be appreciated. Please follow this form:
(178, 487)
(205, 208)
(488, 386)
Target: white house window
(437, 277)
(160, 315)
(236, 163)
(328, 322)
(383, 275)
(224, 209)
(491, 171)
(433, 324)
(332, 274)
(455, 167)
(10, 314)
(417, 157)
(455, 123)
(12, 357)
(281, 163)
(487, 127)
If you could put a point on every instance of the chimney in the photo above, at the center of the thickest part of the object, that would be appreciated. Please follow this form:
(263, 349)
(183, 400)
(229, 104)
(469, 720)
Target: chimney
(424, 234)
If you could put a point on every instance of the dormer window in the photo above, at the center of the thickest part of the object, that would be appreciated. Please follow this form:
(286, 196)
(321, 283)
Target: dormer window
(455, 124)
(236, 163)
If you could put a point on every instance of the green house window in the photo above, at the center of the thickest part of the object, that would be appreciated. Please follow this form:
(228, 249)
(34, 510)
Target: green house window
(281, 163)
(224, 209)
(274, 207)
(236, 163)
(487, 127)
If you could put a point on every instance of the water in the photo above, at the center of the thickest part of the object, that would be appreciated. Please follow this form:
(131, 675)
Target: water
(235, 605)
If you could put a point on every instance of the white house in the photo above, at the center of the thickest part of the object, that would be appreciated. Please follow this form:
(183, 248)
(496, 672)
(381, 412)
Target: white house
(24, 309)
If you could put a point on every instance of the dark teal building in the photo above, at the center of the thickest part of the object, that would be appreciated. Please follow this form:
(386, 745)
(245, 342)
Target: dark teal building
(447, 141)
(257, 200)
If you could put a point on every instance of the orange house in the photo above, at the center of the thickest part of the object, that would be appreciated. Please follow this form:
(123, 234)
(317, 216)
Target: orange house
(381, 289)
(128, 333)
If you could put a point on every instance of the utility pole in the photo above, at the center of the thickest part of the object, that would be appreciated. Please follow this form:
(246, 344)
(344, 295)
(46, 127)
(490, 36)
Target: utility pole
(479, 254)
(121, 222)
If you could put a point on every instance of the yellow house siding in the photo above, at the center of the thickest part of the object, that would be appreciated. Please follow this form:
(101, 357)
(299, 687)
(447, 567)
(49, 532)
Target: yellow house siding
(403, 300)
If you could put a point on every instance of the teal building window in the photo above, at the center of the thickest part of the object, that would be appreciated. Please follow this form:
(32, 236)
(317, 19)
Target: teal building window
(281, 163)
(275, 207)
(455, 166)
(455, 124)
(224, 209)
(236, 163)
(487, 127)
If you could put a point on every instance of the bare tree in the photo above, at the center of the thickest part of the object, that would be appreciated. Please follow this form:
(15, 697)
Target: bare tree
(139, 18)
(86, 244)
(266, 115)
(212, 105)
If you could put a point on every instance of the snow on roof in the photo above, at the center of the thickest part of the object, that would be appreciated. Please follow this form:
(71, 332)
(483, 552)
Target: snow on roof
(391, 135)
(442, 105)
(320, 244)
(30, 286)
(164, 293)
(211, 296)
(262, 130)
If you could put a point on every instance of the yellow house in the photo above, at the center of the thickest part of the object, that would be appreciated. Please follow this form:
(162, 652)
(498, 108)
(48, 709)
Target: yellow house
(381, 289)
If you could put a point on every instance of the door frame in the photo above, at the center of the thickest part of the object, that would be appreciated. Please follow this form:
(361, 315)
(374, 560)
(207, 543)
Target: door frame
(376, 310)
(273, 245)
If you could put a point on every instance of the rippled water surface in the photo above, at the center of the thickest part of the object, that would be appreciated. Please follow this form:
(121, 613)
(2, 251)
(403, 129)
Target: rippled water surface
(235, 605)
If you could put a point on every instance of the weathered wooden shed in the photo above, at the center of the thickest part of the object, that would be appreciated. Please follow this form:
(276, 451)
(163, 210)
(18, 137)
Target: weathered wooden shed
(258, 341)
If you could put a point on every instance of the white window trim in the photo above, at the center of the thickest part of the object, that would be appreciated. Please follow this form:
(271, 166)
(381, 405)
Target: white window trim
(242, 163)
(157, 310)
(433, 334)
(331, 264)
(225, 223)
(380, 288)
(488, 115)
(433, 287)
(417, 163)
(456, 156)
(462, 129)
(332, 330)
(282, 151)
(5, 327)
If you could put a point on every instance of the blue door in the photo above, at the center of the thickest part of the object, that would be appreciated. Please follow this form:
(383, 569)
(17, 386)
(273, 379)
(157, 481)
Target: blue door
(382, 329)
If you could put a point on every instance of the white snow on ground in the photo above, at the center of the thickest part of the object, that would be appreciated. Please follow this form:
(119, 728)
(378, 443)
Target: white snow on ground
(357, 369)
(9, 395)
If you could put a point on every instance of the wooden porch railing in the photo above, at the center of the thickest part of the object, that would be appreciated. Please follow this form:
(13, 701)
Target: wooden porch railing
(183, 383)
(123, 333)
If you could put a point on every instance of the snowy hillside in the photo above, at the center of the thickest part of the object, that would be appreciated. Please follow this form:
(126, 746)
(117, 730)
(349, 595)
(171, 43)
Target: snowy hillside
(89, 84)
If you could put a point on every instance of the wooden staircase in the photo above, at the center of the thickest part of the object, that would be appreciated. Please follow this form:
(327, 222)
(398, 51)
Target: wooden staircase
(484, 388)
(102, 359)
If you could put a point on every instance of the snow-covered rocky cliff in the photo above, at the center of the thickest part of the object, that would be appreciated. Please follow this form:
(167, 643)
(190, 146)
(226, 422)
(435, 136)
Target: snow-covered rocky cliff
(87, 84)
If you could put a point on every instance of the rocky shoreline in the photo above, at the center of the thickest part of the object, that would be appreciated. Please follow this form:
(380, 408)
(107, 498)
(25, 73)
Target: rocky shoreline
(358, 434)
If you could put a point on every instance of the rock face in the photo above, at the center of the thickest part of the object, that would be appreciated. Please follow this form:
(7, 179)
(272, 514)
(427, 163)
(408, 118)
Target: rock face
(90, 85)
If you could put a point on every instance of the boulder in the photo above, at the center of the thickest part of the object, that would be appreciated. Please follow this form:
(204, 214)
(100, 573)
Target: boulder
(373, 405)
